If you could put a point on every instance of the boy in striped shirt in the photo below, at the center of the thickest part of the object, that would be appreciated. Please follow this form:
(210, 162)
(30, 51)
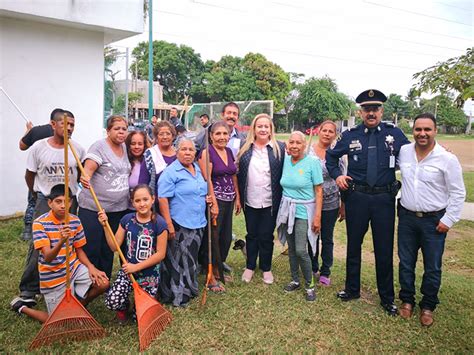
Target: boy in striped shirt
(49, 237)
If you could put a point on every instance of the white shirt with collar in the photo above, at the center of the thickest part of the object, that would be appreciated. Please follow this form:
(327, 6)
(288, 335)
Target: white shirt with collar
(234, 142)
(432, 184)
(259, 180)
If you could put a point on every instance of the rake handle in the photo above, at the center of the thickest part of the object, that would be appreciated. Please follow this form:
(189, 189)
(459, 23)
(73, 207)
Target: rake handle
(99, 207)
(66, 196)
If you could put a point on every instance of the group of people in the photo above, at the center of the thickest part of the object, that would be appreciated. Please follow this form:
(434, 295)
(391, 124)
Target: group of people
(155, 199)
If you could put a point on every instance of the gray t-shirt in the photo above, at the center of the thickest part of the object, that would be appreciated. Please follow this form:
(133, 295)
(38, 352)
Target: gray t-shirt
(47, 163)
(110, 180)
(331, 195)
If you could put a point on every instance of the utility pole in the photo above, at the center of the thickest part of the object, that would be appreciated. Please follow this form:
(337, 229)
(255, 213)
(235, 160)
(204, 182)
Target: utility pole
(126, 84)
(150, 59)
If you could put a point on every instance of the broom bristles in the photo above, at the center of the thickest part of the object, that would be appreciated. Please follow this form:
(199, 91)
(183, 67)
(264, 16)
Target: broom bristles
(70, 320)
(156, 321)
(75, 329)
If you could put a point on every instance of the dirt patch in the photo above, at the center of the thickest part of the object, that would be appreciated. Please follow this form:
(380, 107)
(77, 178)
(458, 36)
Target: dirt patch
(464, 150)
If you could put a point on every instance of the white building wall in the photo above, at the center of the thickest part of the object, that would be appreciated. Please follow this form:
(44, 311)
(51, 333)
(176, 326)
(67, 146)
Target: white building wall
(44, 66)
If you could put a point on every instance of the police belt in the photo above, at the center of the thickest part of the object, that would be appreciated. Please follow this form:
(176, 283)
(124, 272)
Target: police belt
(366, 189)
(423, 214)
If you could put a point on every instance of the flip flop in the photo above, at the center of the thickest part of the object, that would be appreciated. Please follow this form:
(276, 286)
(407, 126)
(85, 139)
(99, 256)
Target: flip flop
(217, 288)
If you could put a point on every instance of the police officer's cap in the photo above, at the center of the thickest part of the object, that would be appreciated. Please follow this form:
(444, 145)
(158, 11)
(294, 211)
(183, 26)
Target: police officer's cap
(371, 97)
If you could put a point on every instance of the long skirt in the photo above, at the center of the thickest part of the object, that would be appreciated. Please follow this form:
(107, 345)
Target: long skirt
(179, 272)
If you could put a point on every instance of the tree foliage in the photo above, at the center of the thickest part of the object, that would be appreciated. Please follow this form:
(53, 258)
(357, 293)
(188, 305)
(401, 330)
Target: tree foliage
(446, 112)
(240, 79)
(455, 74)
(110, 57)
(119, 105)
(395, 108)
(319, 99)
(175, 67)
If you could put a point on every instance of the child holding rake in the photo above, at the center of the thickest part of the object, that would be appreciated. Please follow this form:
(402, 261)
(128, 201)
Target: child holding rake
(50, 236)
(145, 235)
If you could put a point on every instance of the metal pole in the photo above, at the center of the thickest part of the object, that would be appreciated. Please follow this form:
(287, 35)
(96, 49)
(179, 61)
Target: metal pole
(126, 84)
(150, 59)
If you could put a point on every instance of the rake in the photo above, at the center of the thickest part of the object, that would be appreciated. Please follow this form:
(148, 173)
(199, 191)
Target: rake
(70, 320)
(152, 317)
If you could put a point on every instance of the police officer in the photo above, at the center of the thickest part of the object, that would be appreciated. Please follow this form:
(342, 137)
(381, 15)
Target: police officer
(369, 191)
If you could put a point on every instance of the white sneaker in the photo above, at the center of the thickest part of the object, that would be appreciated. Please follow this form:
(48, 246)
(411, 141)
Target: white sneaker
(268, 277)
(247, 275)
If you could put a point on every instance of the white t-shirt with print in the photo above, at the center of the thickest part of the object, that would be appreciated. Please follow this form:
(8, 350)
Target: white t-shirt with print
(47, 163)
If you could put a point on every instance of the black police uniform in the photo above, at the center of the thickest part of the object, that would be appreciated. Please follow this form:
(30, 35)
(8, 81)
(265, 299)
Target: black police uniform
(364, 203)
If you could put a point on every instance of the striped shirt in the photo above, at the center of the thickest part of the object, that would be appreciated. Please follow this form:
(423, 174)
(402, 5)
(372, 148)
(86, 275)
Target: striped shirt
(46, 232)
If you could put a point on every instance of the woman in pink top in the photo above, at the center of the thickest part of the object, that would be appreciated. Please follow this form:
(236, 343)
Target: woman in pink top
(136, 143)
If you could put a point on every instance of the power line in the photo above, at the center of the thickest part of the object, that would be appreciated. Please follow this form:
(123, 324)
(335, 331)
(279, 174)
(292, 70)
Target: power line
(299, 53)
(316, 25)
(417, 13)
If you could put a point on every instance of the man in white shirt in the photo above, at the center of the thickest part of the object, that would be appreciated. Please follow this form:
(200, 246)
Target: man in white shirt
(44, 169)
(432, 198)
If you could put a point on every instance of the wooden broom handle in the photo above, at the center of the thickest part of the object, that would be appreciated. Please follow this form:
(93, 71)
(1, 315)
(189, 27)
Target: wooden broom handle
(99, 207)
(66, 197)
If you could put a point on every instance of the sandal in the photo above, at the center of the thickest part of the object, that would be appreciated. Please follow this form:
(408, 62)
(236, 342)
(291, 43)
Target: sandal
(217, 288)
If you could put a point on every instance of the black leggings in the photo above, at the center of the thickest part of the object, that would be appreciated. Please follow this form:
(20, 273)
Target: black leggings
(97, 249)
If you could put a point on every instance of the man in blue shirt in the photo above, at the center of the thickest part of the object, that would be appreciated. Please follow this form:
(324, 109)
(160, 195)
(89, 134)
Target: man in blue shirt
(369, 191)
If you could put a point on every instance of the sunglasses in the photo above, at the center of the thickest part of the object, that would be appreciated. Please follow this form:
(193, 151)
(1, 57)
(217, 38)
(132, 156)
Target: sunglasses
(369, 108)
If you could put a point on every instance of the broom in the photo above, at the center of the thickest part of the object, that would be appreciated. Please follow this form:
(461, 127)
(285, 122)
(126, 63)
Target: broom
(152, 317)
(70, 320)
(211, 224)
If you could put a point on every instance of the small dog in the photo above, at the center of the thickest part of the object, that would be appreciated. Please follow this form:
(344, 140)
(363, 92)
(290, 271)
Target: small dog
(239, 244)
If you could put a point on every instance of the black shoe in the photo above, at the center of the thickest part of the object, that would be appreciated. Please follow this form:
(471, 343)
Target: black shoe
(390, 308)
(27, 233)
(18, 303)
(346, 296)
(310, 294)
(292, 286)
(226, 268)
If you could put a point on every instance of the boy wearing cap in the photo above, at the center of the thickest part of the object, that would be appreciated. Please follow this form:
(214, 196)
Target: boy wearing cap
(369, 191)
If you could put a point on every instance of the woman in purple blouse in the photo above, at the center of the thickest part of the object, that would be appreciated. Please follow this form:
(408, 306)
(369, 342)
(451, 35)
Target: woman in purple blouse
(224, 183)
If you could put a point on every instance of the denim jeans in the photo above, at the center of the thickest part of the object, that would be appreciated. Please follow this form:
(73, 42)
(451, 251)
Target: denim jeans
(260, 224)
(328, 220)
(298, 252)
(416, 233)
(30, 209)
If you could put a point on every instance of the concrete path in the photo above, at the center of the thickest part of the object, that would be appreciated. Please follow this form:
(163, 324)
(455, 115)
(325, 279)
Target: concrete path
(468, 211)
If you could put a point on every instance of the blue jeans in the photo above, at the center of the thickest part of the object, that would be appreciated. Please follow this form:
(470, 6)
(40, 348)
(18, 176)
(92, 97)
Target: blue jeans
(30, 209)
(328, 221)
(416, 233)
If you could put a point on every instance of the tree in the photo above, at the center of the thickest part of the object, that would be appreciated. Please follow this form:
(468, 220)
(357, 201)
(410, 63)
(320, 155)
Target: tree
(119, 105)
(318, 100)
(110, 57)
(455, 74)
(395, 108)
(241, 79)
(446, 112)
(175, 67)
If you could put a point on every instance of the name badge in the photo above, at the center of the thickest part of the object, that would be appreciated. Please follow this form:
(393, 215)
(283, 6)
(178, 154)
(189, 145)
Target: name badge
(391, 163)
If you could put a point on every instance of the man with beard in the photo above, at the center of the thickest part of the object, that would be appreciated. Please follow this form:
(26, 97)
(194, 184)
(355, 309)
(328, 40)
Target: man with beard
(369, 191)
(432, 199)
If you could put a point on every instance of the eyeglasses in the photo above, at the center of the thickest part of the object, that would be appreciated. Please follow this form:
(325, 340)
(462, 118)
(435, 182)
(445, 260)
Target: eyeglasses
(370, 108)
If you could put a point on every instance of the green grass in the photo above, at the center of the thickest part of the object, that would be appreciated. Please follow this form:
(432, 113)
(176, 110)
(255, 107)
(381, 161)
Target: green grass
(259, 318)
(469, 183)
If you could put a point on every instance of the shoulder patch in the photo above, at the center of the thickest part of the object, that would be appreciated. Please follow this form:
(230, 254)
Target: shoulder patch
(339, 137)
(389, 124)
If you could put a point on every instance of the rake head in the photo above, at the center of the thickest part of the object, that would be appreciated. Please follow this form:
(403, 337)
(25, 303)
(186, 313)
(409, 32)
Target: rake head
(70, 321)
(152, 317)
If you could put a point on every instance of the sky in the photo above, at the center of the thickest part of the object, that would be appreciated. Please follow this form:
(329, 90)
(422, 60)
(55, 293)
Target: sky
(361, 44)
